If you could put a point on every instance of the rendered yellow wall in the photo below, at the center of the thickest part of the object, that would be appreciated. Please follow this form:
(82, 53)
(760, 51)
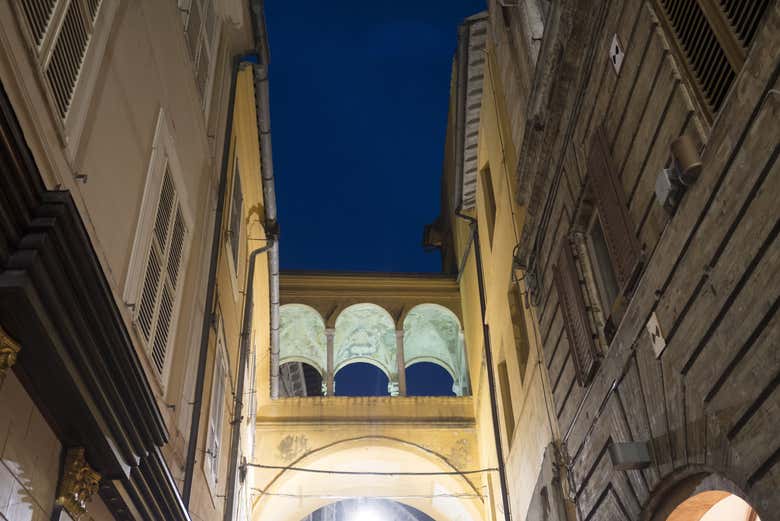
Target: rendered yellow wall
(532, 431)
(230, 292)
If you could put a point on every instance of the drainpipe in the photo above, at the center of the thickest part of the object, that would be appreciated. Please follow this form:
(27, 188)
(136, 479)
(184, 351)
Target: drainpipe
(197, 406)
(462, 58)
(243, 358)
(269, 193)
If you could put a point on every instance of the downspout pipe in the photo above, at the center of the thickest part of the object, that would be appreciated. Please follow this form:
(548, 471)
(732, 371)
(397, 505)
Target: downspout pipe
(197, 406)
(462, 62)
(269, 191)
(243, 360)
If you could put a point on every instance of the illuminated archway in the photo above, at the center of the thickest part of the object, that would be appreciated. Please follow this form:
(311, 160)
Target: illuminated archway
(290, 495)
(302, 337)
(432, 333)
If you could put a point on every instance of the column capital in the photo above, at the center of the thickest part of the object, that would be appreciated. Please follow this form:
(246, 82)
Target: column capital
(9, 350)
(330, 332)
(78, 483)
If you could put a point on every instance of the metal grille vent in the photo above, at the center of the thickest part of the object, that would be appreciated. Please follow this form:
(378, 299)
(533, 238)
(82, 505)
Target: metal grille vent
(713, 37)
(64, 67)
(38, 14)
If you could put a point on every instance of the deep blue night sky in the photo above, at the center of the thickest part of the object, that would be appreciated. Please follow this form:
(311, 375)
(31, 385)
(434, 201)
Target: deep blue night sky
(359, 97)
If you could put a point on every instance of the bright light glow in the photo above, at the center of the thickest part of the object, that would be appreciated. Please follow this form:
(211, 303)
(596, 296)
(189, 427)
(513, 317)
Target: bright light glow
(366, 513)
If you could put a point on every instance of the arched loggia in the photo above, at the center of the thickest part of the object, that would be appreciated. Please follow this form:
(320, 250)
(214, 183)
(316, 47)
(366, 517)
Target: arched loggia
(432, 333)
(302, 336)
(366, 333)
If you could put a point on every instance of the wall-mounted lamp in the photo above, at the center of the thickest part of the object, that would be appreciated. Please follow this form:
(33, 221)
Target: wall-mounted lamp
(634, 455)
(683, 170)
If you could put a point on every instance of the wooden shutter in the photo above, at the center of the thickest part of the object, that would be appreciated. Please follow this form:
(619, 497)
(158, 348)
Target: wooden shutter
(519, 327)
(712, 38)
(575, 318)
(161, 280)
(622, 243)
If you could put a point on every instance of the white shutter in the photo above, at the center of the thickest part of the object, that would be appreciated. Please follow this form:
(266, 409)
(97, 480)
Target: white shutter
(154, 313)
(217, 409)
(60, 32)
(201, 29)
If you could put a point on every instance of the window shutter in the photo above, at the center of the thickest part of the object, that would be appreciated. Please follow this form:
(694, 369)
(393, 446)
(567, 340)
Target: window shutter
(216, 412)
(158, 294)
(64, 67)
(622, 243)
(236, 205)
(567, 283)
(712, 38)
(60, 32)
(38, 14)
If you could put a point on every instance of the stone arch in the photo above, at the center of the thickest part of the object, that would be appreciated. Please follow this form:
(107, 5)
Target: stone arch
(280, 496)
(302, 337)
(432, 333)
(695, 481)
(365, 332)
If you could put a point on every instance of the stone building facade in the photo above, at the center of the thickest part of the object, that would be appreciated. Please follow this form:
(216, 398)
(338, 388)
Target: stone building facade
(621, 168)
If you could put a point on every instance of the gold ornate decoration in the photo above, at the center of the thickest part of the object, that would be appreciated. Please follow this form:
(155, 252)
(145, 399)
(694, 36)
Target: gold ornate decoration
(9, 349)
(78, 483)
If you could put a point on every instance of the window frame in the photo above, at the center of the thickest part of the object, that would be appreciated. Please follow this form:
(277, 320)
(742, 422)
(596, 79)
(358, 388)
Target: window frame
(234, 263)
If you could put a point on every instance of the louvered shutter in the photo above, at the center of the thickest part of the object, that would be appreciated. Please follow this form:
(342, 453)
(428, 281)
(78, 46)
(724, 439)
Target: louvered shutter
(622, 243)
(60, 43)
(712, 37)
(575, 318)
(158, 294)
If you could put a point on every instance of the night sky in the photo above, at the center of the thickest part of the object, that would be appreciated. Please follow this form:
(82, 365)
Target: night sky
(359, 97)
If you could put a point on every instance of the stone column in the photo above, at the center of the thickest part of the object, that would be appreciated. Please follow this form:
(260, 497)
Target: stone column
(399, 355)
(330, 388)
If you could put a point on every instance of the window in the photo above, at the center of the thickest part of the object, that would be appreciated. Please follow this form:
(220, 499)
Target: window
(201, 28)
(216, 411)
(606, 282)
(489, 197)
(519, 327)
(156, 269)
(236, 207)
(67, 39)
(615, 226)
(506, 402)
(711, 39)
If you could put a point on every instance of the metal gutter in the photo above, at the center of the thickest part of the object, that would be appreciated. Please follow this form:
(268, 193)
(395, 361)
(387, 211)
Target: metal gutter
(269, 192)
(197, 406)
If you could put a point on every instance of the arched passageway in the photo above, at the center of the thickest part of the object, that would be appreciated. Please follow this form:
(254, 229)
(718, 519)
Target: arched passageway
(714, 505)
(367, 510)
(292, 493)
